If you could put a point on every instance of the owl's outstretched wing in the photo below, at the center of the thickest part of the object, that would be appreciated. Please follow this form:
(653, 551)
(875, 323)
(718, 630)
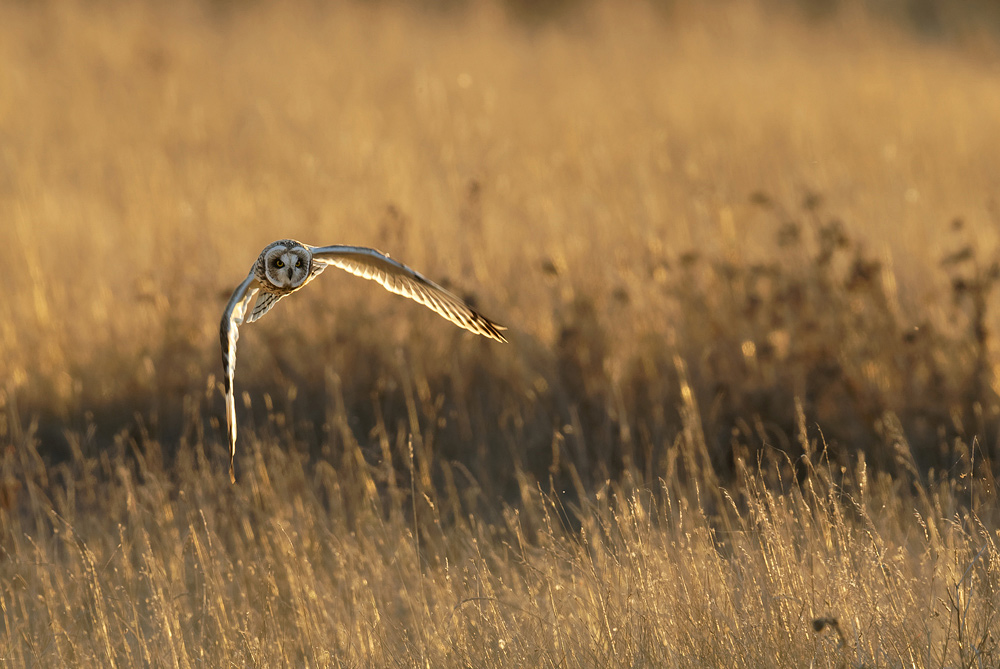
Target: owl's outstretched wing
(229, 332)
(400, 279)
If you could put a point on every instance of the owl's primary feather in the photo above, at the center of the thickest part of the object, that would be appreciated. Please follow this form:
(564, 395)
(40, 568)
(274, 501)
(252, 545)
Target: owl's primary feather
(286, 265)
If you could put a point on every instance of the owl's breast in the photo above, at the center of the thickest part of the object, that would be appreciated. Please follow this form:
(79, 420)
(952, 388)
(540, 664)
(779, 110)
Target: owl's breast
(268, 287)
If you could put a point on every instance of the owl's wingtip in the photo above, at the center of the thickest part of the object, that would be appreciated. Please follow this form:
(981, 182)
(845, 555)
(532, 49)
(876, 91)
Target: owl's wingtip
(495, 331)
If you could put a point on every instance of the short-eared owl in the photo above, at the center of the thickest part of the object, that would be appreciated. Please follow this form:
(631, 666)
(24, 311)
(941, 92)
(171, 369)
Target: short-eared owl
(287, 265)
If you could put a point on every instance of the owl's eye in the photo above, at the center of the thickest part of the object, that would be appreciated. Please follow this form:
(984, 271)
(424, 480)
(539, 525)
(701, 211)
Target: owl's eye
(298, 263)
(279, 264)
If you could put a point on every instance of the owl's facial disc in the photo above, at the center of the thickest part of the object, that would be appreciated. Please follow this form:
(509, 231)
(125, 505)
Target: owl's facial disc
(287, 267)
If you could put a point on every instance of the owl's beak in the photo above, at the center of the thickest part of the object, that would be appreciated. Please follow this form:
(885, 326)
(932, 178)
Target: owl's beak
(290, 271)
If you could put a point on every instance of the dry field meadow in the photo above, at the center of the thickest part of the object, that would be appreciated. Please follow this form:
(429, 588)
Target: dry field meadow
(749, 414)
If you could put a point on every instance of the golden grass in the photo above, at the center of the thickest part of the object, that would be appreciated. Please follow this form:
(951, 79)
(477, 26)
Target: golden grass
(307, 564)
(747, 263)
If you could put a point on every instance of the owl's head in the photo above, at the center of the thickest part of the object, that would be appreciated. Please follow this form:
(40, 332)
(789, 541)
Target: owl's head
(286, 264)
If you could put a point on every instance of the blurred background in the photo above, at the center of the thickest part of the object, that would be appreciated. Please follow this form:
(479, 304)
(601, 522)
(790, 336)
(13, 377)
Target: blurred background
(703, 223)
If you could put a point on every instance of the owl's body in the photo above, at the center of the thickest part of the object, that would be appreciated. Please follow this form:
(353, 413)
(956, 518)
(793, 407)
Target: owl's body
(287, 265)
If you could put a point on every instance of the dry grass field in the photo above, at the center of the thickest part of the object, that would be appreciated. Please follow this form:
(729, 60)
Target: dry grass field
(749, 414)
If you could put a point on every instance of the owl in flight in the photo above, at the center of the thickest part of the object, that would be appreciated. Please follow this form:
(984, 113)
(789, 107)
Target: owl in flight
(286, 265)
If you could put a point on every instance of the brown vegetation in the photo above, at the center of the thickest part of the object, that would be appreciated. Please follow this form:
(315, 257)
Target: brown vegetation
(749, 406)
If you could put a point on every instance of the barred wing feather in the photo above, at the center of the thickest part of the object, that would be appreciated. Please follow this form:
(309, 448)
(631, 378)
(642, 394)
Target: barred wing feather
(400, 279)
(263, 305)
(229, 333)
